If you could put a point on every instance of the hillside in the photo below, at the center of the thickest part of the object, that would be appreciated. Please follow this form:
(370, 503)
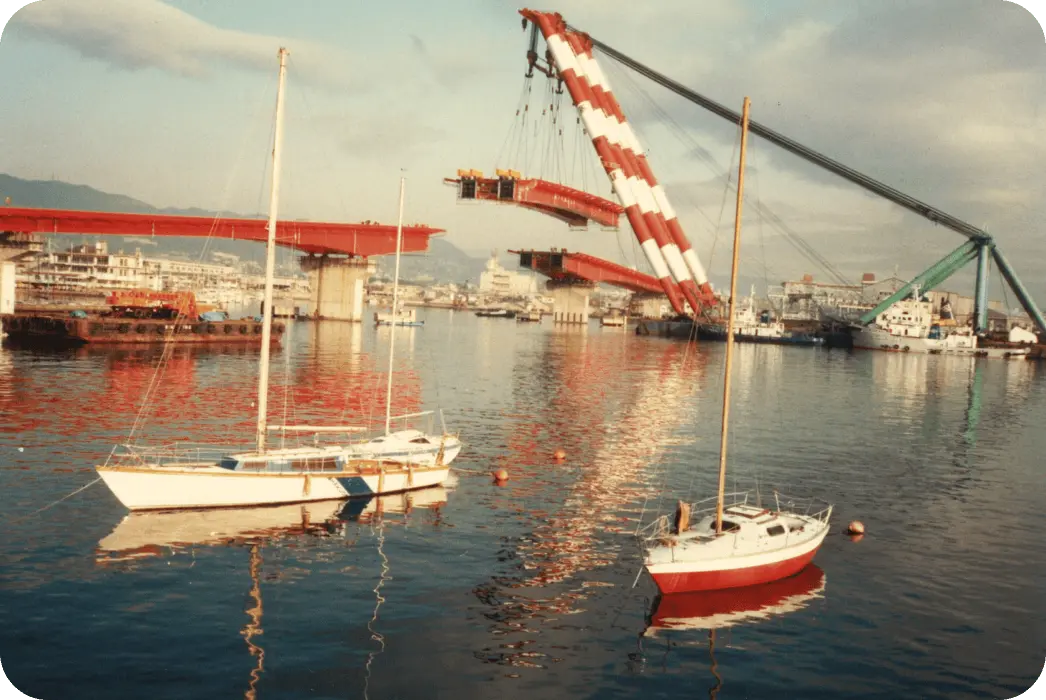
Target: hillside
(444, 262)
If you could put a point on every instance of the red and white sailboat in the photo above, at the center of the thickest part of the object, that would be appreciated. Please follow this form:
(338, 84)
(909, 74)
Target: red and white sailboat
(735, 542)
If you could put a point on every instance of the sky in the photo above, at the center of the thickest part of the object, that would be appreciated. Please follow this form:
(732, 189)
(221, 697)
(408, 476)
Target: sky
(172, 103)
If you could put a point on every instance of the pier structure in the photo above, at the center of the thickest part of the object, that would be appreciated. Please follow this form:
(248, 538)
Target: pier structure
(338, 253)
(573, 277)
(337, 286)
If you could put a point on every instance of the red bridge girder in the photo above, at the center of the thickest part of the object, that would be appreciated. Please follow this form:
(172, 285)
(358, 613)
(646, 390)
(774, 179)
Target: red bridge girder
(562, 266)
(363, 239)
(573, 206)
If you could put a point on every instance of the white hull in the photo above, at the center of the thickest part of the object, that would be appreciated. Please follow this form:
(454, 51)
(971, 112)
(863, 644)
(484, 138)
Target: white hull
(163, 488)
(873, 338)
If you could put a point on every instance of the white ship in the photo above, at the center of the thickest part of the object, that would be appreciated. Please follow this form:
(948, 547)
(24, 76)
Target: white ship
(912, 325)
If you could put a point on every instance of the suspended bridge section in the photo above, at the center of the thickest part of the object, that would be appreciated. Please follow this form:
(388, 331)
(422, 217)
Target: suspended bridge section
(572, 206)
(573, 276)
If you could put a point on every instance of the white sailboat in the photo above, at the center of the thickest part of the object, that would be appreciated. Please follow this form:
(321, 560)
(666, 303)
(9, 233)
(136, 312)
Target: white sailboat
(405, 445)
(398, 315)
(162, 479)
(739, 543)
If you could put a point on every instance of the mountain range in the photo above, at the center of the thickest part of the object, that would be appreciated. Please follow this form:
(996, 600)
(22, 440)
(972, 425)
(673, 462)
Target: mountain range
(444, 262)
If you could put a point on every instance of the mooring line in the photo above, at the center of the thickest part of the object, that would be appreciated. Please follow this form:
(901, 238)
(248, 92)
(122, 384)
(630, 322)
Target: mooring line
(49, 505)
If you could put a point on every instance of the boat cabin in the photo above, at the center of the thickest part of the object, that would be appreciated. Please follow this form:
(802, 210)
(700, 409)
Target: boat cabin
(749, 522)
(295, 460)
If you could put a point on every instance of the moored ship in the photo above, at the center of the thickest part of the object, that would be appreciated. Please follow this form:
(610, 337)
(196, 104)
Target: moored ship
(911, 325)
(750, 327)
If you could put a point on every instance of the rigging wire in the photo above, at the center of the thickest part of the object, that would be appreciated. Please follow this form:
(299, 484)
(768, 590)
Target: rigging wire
(142, 416)
(793, 238)
(514, 129)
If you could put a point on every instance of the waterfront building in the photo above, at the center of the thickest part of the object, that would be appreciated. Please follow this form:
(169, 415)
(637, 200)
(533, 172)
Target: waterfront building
(497, 281)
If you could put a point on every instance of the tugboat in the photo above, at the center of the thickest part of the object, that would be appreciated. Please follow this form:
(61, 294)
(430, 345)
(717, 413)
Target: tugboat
(750, 327)
(911, 325)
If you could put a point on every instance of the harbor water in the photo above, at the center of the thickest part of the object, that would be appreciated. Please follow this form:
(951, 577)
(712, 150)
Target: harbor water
(530, 588)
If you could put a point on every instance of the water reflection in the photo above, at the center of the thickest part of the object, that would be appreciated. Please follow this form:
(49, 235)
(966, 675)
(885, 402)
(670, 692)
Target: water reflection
(679, 619)
(334, 381)
(155, 534)
(152, 535)
(615, 408)
(707, 610)
(254, 627)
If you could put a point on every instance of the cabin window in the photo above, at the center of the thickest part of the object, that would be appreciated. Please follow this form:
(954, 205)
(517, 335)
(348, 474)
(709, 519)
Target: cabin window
(326, 464)
(728, 526)
(775, 530)
(378, 440)
(256, 465)
(421, 440)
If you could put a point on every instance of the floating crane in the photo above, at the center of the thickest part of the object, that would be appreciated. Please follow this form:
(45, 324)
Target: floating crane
(569, 58)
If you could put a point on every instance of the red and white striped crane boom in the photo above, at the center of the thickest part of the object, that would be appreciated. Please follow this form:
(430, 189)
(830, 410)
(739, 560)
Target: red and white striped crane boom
(652, 217)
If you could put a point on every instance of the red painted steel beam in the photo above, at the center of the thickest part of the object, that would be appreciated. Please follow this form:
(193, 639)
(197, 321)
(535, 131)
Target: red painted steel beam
(579, 267)
(361, 239)
(575, 207)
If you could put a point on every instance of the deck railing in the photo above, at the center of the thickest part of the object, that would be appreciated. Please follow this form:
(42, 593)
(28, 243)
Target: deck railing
(810, 507)
(182, 453)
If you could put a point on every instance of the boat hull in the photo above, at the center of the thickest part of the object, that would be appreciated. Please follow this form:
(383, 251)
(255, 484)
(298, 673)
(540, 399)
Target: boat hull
(686, 581)
(51, 330)
(679, 569)
(168, 488)
(718, 333)
(877, 339)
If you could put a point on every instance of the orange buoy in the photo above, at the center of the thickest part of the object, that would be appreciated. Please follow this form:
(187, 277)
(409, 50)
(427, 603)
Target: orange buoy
(560, 454)
(856, 527)
(500, 475)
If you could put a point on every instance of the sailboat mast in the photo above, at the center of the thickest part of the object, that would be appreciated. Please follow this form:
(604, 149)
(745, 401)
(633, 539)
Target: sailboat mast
(270, 257)
(730, 321)
(395, 299)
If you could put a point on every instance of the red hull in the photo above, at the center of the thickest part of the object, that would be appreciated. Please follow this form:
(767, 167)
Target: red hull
(731, 578)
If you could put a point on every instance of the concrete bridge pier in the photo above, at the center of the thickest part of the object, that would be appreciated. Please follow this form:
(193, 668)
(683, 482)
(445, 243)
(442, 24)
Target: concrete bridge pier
(570, 300)
(338, 286)
(651, 306)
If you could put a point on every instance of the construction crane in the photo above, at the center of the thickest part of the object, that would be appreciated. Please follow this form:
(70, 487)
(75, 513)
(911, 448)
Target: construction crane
(569, 57)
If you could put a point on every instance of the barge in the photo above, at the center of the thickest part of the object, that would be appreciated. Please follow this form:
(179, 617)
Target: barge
(133, 317)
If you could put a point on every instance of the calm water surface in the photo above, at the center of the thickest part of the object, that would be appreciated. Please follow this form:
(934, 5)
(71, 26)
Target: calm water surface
(526, 590)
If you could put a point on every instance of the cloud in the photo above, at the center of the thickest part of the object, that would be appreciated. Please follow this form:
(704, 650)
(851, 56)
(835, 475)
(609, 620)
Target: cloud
(140, 34)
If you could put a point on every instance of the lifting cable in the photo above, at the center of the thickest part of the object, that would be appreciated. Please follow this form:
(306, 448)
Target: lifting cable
(514, 129)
